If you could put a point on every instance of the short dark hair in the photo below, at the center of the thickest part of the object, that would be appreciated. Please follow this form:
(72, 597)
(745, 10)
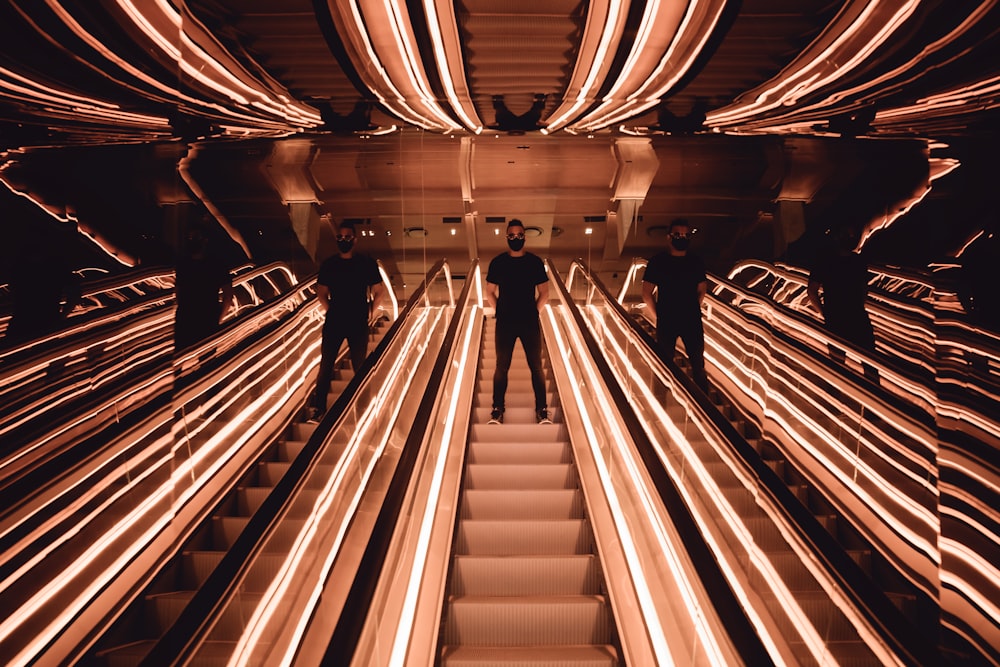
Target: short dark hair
(346, 224)
(514, 222)
(678, 222)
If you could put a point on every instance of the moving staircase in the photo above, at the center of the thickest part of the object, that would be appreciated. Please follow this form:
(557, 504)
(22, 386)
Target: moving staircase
(129, 641)
(526, 585)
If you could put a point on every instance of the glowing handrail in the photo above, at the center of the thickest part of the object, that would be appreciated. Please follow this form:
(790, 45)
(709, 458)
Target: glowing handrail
(608, 329)
(366, 406)
(104, 523)
(959, 403)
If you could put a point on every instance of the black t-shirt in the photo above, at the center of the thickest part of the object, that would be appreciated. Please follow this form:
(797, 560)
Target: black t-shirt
(845, 288)
(517, 278)
(348, 281)
(198, 281)
(677, 278)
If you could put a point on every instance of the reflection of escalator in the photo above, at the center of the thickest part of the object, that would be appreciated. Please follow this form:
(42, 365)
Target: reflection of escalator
(526, 582)
(786, 524)
(904, 594)
(136, 631)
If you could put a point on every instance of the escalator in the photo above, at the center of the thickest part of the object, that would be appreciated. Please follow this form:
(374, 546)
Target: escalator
(137, 630)
(745, 417)
(806, 580)
(526, 583)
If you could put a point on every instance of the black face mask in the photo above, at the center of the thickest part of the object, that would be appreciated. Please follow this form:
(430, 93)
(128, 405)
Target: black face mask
(681, 243)
(515, 244)
(345, 246)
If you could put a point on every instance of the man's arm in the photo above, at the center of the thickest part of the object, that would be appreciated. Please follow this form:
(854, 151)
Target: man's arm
(378, 291)
(228, 303)
(543, 295)
(323, 295)
(649, 300)
(813, 291)
(492, 293)
(702, 289)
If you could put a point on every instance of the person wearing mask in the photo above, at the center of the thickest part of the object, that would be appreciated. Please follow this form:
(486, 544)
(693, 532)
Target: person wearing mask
(203, 287)
(517, 287)
(673, 289)
(343, 286)
(838, 288)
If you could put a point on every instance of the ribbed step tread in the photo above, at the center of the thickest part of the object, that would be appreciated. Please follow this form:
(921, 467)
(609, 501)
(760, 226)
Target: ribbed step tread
(199, 564)
(529, 656)
(512, 432)
(526, 575)
(522, 505)
(528, 621)
(513, 476)
(523, 414)
(519, 452)
(519, 538)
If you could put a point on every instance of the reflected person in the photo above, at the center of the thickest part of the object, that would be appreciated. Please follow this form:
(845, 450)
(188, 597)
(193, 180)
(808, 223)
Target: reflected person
(673, 288)
(203, 287)
(343, 286)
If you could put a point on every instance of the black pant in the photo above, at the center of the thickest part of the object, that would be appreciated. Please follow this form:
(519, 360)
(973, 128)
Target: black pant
(692, 333)
(333, 336)
(530, 334)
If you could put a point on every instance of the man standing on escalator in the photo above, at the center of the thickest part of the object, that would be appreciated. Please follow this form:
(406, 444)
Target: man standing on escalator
(342, 288)
(673, 287)
(517, 286)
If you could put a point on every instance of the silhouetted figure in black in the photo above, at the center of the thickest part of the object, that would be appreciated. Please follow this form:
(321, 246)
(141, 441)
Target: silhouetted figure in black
(43, 288)
(979, 278)
(673, 287)
(203, 288)
(357, 120)
(343, 287)
(507, 121)
(838, 288)
(692, 122)
(853, 123)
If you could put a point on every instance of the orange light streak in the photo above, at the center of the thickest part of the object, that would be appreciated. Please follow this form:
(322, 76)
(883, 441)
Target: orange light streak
(628, 543)
(272, 608)
(818, 67)
(730, 517)
(634, 102)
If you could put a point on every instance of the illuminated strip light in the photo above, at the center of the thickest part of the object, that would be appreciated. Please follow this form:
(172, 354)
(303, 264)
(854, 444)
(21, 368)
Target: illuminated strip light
(56, 432)
(653, 626)
(881, 83)
(113, 254)
(134, 71)
(810, 72)
(877, 433)
(262, 99)
(236, 431)
(391, 292)
(352, 25)
(606, 19)
(919, 513)
(252, 410)
(756, 554)
(440, 13)
(976, 563)
(633, 105)
(81, 501)
(138, 516)
(36, 92)
(291, 378)
(975, 97)
(272, 606)
(397, 657)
